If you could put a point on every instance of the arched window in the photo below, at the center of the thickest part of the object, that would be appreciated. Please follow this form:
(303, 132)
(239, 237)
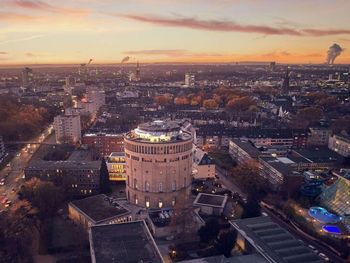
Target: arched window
(147, 186)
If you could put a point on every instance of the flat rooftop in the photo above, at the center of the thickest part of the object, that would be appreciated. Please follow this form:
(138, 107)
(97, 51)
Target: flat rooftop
(273, 242)
(247, 146)
(160, 126)
(99, 207)
(283, 165)
(210, 200)
(316, 155)
(123, 243)
(81, 155)
(53, 165)
(103, 134)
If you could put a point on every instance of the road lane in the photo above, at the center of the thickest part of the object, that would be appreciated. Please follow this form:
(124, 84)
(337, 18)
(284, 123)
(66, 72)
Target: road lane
(14, 174)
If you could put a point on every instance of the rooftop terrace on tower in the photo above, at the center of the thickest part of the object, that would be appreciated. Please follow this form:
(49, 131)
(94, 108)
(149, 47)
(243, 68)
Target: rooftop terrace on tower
(159, 132)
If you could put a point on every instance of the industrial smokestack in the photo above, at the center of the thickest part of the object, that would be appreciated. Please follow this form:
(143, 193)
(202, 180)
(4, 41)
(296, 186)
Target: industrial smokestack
(126, 59)
(333, 52)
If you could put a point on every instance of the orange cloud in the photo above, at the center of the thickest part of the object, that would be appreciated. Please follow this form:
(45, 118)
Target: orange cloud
(231, 26)
(10, 16)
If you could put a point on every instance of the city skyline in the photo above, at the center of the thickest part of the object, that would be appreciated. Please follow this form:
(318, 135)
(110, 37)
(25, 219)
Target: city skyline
(72, 32)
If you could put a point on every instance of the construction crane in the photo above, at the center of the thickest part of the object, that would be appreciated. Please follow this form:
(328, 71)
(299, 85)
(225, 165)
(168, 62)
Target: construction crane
(85, 64)
(82, 68)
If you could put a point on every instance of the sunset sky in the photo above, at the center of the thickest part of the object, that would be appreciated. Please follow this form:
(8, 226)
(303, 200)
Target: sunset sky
(72, 31)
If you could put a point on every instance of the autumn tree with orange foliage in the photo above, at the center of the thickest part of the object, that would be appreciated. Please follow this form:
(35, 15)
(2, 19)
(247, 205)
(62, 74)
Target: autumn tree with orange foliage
(210, 104)
(182, 100)
(241, 104)
(164, 99)
(19, 121)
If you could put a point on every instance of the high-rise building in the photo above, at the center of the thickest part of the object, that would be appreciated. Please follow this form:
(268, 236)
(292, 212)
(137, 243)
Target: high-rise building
(70, 81)
(138, 72)
(272, 66)
(2, 148)
(67, 128)
(190, 80)
(27, 77)
(285, 84)
(158, 164)
(96, 96)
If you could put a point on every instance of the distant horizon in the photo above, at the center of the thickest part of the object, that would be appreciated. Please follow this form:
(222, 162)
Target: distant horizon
(130, 64)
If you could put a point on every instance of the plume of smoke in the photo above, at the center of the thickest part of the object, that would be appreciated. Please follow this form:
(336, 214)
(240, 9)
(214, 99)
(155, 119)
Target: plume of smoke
(126, 59)
(333, 52)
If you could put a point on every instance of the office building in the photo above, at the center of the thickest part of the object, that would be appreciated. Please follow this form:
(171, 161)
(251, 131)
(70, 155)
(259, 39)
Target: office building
(319, 136)
(340, 143)
(275, 244)
(158, 164)
(285, 83)
(104, 144)
(281, 172)
(97, 210)
(67, 128)
(128, 242)
(79, 178)
(243, 151)
(27, 77)
(190, 80)
(96, 96)
(116, 166)
(70, 81)
(137, 72)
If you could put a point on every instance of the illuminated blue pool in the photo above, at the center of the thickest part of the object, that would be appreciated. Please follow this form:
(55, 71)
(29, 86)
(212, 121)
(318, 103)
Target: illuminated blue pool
(322, 215)
(331, 229)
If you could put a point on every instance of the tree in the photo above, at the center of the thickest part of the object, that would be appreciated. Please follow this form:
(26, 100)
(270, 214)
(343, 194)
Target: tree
(181, 100)
(306, 116)
(44, 196)
(85, 120)
(209, 231)
(16, 232)
(341, 124)
(210, 104)
(182, 218)
(248, 177)
(251, 208)
(240, 104)
(226, 241)
(328, 102)
(165, 99)
(104, 178)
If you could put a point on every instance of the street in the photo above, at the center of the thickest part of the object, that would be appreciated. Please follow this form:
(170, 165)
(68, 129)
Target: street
(13, 173)
(228, 183)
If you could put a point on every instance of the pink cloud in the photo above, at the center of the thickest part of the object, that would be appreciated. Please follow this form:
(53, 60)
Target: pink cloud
(230, 26)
